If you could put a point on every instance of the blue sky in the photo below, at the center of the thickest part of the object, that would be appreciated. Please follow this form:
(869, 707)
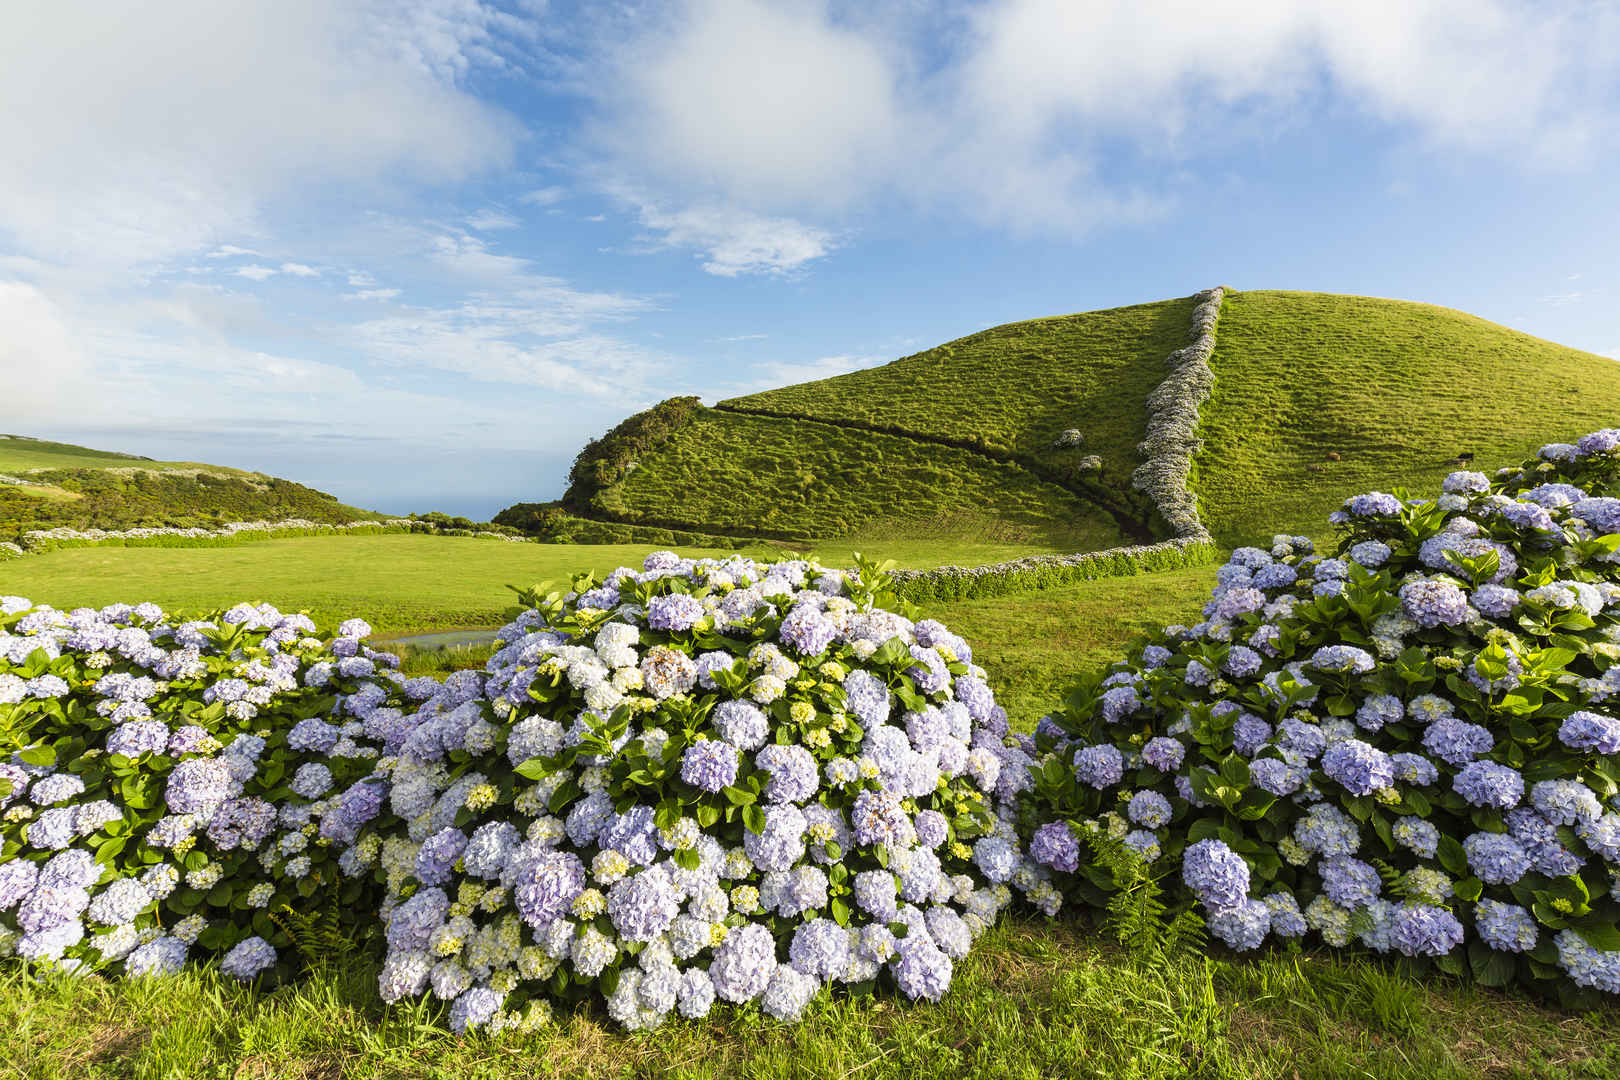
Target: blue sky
(416, 252)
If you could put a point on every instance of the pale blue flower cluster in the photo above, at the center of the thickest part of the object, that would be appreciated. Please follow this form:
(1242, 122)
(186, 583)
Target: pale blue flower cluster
(738, 821)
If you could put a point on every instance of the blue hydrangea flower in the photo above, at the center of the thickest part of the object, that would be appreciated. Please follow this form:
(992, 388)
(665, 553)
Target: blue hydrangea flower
(1215, 873)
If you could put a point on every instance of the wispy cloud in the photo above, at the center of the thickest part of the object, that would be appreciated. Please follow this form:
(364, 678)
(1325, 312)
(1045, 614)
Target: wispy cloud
(488, 220)
(732, 242)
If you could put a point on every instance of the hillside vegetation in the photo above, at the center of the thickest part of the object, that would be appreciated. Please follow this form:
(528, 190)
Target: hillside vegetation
(45, 485)
(956, 443)
(1397, 390)
(1316, 397)
(803, 480)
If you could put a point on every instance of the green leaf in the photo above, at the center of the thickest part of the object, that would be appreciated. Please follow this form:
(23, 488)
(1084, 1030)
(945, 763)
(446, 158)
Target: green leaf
(738, 797)
(687, 859)
(1450, 853)
(840, 912)
(1491, 968)
(534, 769)
(44, 756)
(753, 818)
(1604, 937)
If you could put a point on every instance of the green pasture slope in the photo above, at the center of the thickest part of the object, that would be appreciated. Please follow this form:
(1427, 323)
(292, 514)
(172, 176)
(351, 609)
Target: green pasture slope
(956, 442)
(1397, 390)
(81, 488)
(1317, 397)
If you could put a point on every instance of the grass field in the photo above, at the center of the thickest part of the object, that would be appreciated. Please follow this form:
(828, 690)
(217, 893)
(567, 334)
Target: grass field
(1034, 999)
(1396, 389)
(410, 583)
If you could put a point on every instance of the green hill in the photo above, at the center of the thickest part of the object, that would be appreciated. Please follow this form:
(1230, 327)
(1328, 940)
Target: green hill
(1316, 397)
(45, 485)
(1396, 389)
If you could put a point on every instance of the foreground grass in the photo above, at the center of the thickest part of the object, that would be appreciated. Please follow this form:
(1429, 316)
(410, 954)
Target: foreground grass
(1396, 389)
(1034, 999)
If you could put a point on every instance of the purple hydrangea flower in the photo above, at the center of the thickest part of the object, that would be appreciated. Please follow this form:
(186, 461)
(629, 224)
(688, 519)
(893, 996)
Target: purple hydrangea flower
(674, 613)
(1099, 766)
(710, 765)
(1215, 873)
(1485, 783)
(1358, 767)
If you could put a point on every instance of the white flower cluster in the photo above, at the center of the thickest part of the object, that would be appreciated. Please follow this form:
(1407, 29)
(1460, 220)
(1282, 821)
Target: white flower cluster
(705, 780)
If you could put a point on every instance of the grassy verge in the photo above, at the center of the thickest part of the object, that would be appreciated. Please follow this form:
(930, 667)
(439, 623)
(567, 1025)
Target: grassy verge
(1034, 999)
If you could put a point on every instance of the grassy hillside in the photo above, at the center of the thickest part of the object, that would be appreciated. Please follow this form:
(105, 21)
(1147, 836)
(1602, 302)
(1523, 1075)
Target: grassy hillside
(1316, 397)
(955, 443)
(800, 480)
(1012, 387)
(1396, 389)
(49, 484)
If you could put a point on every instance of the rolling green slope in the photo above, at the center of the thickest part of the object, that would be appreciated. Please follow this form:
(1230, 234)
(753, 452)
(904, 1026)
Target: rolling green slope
(1396, 389)
(1012, 388)
(804, 480)
(45, 485)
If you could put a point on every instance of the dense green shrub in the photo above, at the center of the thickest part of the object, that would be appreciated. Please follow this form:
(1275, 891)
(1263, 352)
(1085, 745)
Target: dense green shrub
(605, 461)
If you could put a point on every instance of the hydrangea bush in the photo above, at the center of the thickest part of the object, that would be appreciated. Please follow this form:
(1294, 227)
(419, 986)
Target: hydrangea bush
(168, 787)
(1410, 744)
(704, 781)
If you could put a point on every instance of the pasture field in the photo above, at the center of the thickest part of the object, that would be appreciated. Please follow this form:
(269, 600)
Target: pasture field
(1396, 389)
(1033, 999)
(411, 583)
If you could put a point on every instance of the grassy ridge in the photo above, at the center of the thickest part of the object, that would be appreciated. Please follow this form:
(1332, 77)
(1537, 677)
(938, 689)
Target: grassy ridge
(1396, 389)
(20, 452)
(798, 480)
(80, 488)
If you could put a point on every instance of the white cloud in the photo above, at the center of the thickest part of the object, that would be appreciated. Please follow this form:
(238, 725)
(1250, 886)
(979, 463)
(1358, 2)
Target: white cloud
(372, 294)
(276, 96)
(360, 279)
(299, 270)
(488, 220)
(744, 337)
(1003, 111)
(255, 273)
(733, 242)
(546, 196)
(230, 251)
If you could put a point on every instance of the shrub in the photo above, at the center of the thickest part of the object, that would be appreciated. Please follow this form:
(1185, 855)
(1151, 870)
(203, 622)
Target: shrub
(706, 780)
(170, 786)
(1407, 745)
(605, 461)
